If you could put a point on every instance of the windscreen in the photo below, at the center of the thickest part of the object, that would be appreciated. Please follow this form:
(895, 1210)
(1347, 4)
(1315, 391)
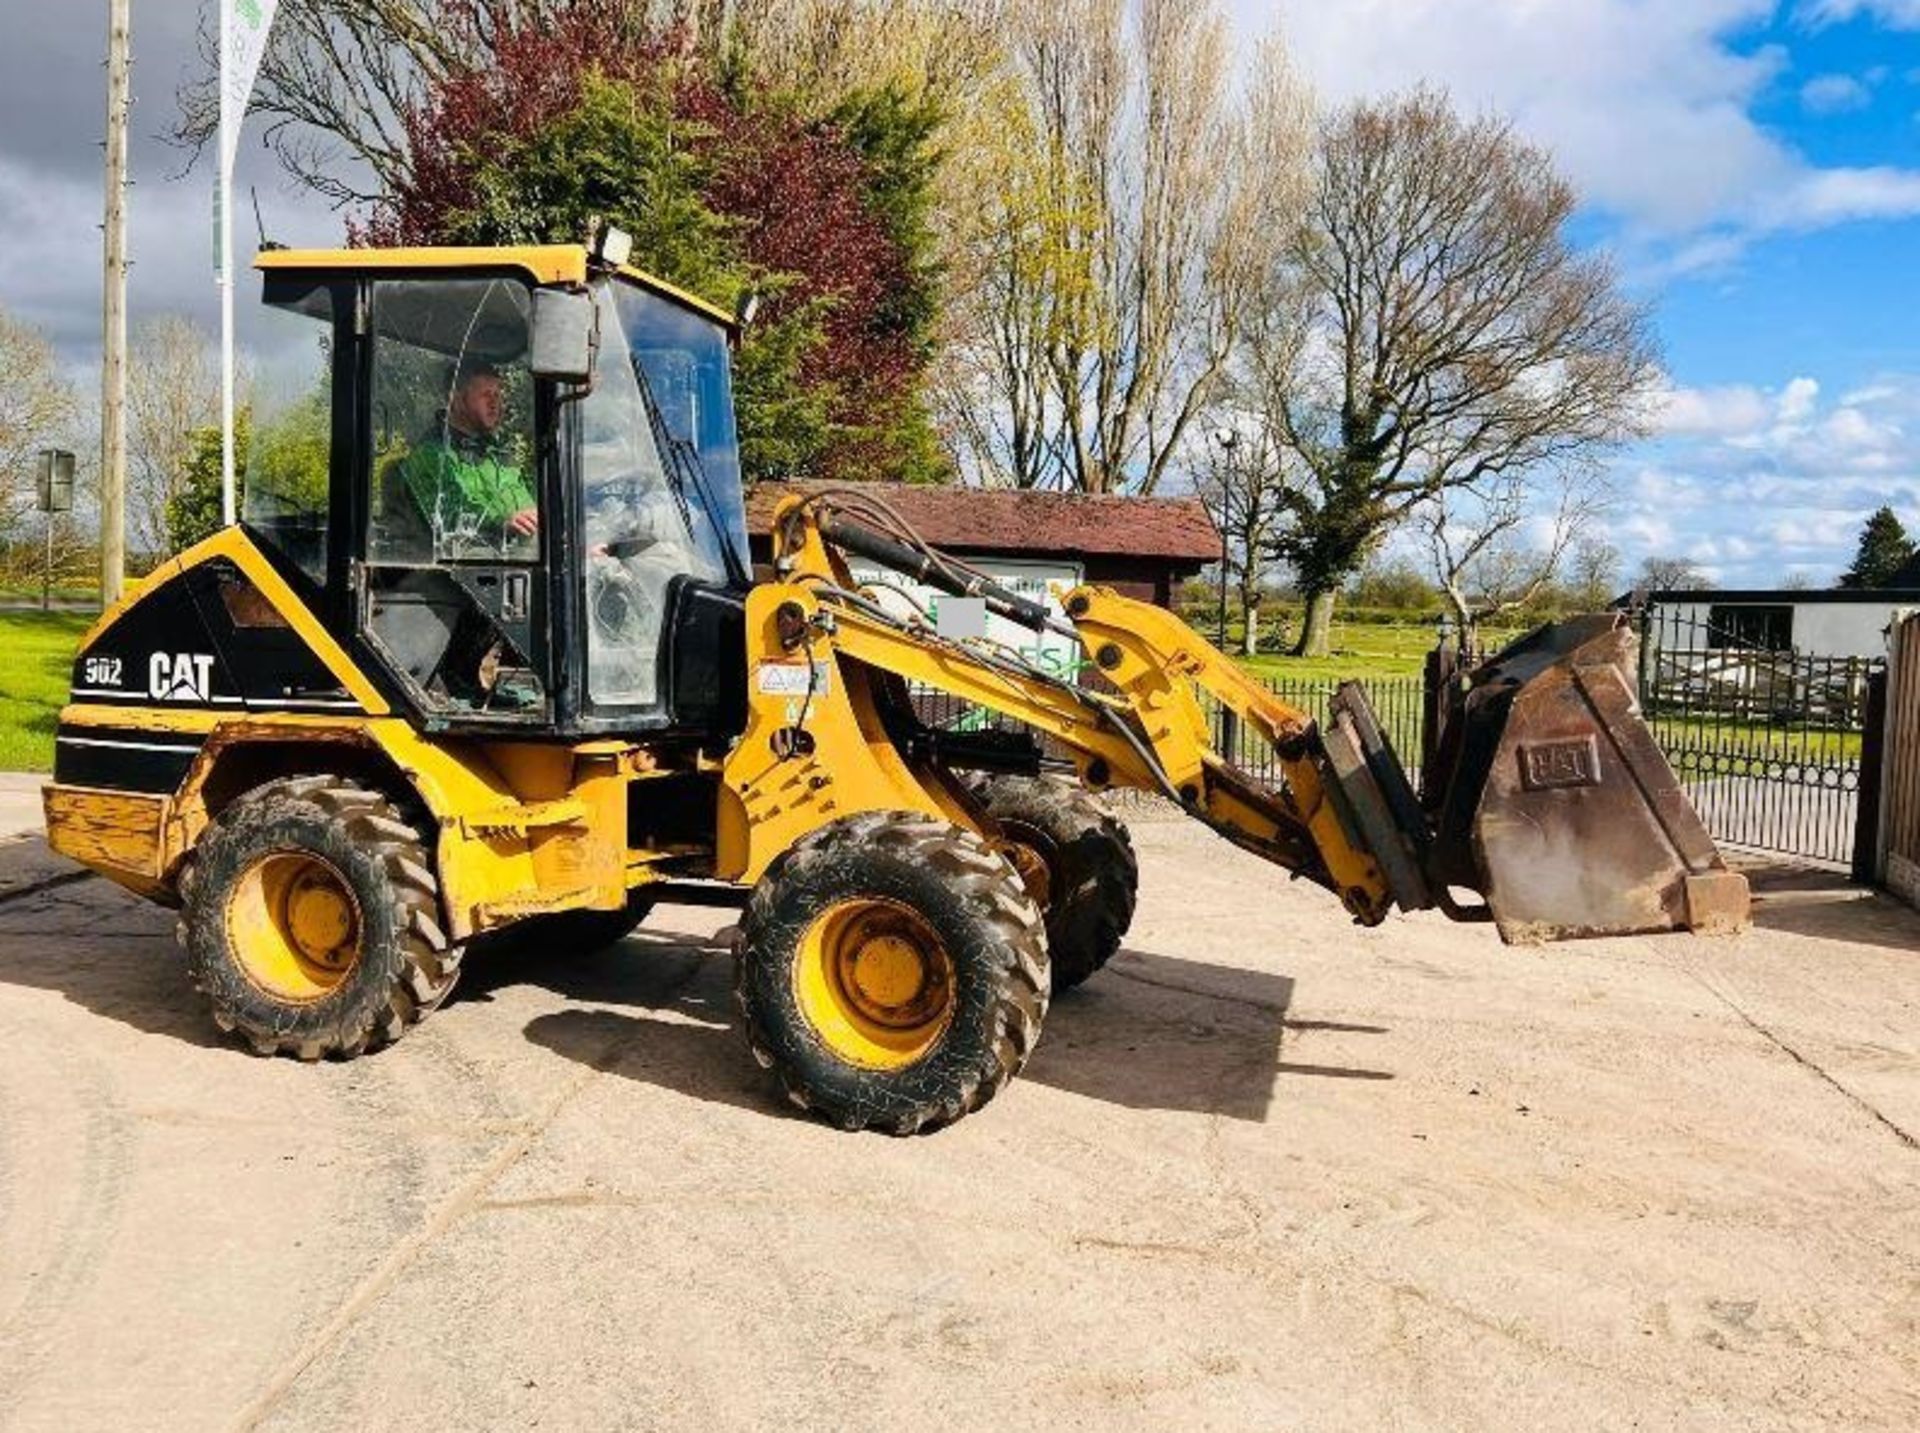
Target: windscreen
(685, 361)
(653, 511)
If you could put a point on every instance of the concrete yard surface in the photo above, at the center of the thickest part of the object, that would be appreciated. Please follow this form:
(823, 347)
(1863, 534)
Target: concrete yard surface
(1267, 1171)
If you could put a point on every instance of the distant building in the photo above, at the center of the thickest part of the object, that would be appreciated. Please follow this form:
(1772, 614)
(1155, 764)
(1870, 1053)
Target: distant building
(1040, 544)
(1141, 547)
(1836, 622)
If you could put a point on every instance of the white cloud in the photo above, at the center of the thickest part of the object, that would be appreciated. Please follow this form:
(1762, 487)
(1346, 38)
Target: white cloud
(1797, 400)
(1822, 197)
(1834, 94)
(1895, 14)
(1647, 106)
(1711, 412)
(1764, 483)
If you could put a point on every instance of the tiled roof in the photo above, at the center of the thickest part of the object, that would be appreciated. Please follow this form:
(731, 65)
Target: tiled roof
(986, 520)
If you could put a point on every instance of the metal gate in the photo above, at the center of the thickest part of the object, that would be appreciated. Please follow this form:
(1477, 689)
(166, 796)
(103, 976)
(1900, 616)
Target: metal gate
(1768, 742)
(1773, 745)
(1900, 808)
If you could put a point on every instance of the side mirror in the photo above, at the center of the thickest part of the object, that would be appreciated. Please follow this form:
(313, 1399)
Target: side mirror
(565, 335)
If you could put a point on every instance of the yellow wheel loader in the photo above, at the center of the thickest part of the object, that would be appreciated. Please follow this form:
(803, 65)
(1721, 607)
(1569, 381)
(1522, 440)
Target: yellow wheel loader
(485, 653)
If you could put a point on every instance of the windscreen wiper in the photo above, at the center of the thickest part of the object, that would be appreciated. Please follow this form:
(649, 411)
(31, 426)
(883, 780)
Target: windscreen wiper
(681, 459)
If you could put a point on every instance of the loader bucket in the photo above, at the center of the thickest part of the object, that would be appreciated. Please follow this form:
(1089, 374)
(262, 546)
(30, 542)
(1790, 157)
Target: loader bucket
(1547, 793)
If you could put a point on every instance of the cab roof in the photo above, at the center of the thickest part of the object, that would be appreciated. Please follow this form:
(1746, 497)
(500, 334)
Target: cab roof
(542, 263)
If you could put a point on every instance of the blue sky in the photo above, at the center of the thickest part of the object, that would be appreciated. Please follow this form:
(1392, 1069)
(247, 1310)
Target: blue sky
(1753, 164)
(1755, 168)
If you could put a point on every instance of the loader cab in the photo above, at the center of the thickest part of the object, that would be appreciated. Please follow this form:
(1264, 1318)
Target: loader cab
(511, 480)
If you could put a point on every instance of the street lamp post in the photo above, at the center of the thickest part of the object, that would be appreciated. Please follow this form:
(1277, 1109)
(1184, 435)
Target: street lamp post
(1228, 439)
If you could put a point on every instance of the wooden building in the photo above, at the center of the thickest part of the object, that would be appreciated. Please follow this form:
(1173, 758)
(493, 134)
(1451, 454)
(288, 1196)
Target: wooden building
(1141, 547)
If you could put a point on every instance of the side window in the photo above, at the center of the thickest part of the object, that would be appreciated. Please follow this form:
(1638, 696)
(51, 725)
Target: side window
(453, 600)
(453, 470)
(289, 446)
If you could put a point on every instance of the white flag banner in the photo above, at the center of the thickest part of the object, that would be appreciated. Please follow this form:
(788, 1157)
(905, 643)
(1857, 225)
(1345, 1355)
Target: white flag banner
(243, 41)
(244, 25)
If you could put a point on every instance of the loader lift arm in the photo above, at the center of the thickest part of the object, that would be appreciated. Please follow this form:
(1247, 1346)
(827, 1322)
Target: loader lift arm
(1150, 733)
(1552, 800)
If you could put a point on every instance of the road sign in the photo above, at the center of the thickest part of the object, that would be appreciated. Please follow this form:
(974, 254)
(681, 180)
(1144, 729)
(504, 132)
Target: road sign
(56, 480)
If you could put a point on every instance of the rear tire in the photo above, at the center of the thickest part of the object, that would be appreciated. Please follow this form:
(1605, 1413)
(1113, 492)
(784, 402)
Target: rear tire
(311, 920)
(1088, 876)
(892, 972)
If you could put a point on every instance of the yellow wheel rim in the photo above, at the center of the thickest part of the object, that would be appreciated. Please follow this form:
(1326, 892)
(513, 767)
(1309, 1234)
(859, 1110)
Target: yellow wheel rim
(875, 982)
(1029, 854)
(293, 924)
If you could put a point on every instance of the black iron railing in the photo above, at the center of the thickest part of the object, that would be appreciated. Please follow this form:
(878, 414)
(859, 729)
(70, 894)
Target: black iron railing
(1399, 703)
(1768, 741)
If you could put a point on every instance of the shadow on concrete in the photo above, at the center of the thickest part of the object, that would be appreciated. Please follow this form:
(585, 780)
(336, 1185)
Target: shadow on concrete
(25, 862)
(1825, 905)
(701, 1061)
(96, 945)
(1157, 1032)
(1151, 1032)
(687, 1038)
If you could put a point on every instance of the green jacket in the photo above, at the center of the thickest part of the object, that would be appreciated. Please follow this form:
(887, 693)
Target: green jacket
(457, 477)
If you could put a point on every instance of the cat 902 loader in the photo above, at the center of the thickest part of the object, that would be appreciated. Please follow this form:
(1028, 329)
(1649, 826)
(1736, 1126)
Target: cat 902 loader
(485, 652)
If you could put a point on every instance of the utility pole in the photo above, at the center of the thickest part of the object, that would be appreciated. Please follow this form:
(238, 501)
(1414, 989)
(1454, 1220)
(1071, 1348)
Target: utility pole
(113, 367)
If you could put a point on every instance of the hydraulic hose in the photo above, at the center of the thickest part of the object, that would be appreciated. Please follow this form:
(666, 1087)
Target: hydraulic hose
(857, 537)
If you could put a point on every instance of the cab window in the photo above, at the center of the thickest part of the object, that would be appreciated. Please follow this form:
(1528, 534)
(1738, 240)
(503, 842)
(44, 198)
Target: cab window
(454, 473)
(453, 596)
(686, 363)
(289, 447)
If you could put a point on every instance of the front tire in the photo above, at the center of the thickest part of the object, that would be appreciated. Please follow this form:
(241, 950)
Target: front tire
(310, 917)
(1079, 865)
(892, 972)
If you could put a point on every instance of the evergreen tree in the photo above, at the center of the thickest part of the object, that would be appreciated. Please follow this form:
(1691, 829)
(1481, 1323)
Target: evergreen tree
(193, 512)
(1884, 549)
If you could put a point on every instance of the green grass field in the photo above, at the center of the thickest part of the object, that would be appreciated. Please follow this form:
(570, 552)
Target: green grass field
(38, 648)
(1362, 650)
(1359, 650)
(1728, 737)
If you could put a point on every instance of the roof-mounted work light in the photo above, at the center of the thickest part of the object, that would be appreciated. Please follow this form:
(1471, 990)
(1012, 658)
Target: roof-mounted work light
(613, 247)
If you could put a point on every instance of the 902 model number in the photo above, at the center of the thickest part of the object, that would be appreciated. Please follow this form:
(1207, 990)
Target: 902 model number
(103, 671)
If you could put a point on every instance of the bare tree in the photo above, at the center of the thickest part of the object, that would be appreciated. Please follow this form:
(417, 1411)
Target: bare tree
(37, 410)
(1671, 574)
(1594, 573)
(337, 80)
(1438, 331)
(1241, 476)
(1110, 250)
(173, 390)
(992, 390)
(1496, 546)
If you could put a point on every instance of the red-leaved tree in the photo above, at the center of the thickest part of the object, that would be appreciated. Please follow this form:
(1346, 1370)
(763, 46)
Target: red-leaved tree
(726, 186)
